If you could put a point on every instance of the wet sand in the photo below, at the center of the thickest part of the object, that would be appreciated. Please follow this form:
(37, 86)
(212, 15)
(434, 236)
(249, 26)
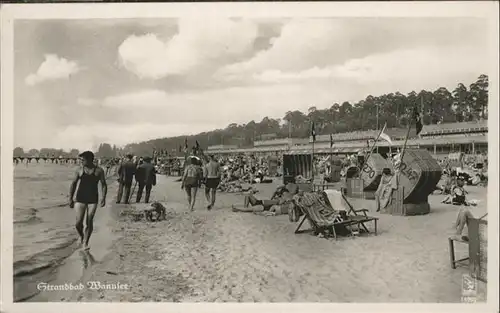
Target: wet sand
(74, 268)
(221, 256)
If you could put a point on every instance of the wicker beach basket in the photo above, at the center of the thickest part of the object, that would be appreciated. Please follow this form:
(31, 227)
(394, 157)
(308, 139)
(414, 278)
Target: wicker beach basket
(419, 175)
(372, 171)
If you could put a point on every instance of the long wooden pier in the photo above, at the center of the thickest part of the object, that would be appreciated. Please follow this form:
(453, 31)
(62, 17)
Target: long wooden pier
(45, 159)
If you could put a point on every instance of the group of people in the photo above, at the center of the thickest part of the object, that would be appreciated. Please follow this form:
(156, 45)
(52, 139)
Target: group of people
(195, 174)
(144, 173)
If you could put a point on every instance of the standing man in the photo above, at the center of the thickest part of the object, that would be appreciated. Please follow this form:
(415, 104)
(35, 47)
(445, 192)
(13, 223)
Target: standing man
(212, 174)
(146, 177)
(126, 173)
(87, 195)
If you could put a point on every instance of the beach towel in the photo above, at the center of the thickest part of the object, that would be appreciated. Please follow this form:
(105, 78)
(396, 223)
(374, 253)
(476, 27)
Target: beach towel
(318, 209)
(335, 199)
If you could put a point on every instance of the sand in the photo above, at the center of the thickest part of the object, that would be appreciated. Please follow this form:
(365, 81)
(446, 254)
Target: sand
(222, 256)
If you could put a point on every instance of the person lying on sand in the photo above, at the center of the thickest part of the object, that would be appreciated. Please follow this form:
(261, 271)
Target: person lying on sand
(87, 195)
(278, 203)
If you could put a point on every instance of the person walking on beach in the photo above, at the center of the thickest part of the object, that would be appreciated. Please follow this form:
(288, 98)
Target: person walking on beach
(126, 173)
(146, 177)
(191, 181)
(212, 174)
(87, 178)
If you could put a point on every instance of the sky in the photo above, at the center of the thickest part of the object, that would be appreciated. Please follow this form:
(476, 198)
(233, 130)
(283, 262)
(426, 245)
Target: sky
(79, 83)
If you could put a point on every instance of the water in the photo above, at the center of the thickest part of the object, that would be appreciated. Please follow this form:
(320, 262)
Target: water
(44, 233)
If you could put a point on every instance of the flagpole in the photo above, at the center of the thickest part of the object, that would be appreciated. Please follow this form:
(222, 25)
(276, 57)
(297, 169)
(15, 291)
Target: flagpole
(331, 157)
(373, 146)
(406, 141)
(313, 133)
(313, 161)
(331, 151)
(408, 132)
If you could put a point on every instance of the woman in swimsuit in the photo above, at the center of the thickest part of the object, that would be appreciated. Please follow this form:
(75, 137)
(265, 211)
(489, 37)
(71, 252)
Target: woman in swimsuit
(191, 181)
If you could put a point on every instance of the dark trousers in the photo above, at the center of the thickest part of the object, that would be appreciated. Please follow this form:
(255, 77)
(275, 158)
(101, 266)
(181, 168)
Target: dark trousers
(139, 192)
(127, 187)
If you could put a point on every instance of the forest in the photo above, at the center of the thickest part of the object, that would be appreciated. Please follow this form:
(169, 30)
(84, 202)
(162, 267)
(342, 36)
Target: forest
(464, 103)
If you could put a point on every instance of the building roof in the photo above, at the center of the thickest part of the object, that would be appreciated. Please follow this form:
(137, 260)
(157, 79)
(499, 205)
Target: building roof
(464, 127)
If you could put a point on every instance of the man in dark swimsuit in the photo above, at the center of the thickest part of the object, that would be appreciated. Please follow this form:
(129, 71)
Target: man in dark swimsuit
(212, 174)
(126, 173)
(87, 178)
(146, 177)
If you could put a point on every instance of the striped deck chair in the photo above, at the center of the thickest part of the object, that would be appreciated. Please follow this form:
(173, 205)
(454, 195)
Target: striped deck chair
(318, 212)
(355, 216)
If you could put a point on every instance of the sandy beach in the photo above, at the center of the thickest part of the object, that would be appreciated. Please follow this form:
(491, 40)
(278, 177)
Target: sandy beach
(222, 256)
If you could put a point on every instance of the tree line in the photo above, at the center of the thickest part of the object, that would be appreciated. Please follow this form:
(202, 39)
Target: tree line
(464, 103)
(105, 150)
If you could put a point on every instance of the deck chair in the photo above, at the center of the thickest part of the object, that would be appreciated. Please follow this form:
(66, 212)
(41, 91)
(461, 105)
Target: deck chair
(353, 217)
(357, 216)
(318, 212)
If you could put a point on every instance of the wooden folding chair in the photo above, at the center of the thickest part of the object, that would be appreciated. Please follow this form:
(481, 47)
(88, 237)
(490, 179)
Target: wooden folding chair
(359, 216)
(319, 214)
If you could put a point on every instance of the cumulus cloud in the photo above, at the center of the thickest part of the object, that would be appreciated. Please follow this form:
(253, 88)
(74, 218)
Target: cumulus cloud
(53, 68)
(196, 44)
(310, 62)
(399, 70)
(306, 45)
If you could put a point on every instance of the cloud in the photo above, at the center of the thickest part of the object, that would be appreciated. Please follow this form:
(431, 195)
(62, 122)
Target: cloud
(295, 64)
(305, 44)
(276, 76)
(89, 136)
(197, 44)
(138, 100)
(87, 102)
(218, 107)
(53, 68)
(399, 69)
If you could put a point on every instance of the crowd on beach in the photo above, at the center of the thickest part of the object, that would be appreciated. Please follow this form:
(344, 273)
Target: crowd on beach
(241, 173)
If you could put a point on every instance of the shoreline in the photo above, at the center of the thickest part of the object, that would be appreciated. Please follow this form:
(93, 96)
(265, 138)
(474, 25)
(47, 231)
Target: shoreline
(72, 268)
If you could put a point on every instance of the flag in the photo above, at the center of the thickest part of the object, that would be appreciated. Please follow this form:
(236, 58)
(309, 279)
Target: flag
(418, 117)
(197, 147)
(313, 132)
(384, 136)
(331, 141)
